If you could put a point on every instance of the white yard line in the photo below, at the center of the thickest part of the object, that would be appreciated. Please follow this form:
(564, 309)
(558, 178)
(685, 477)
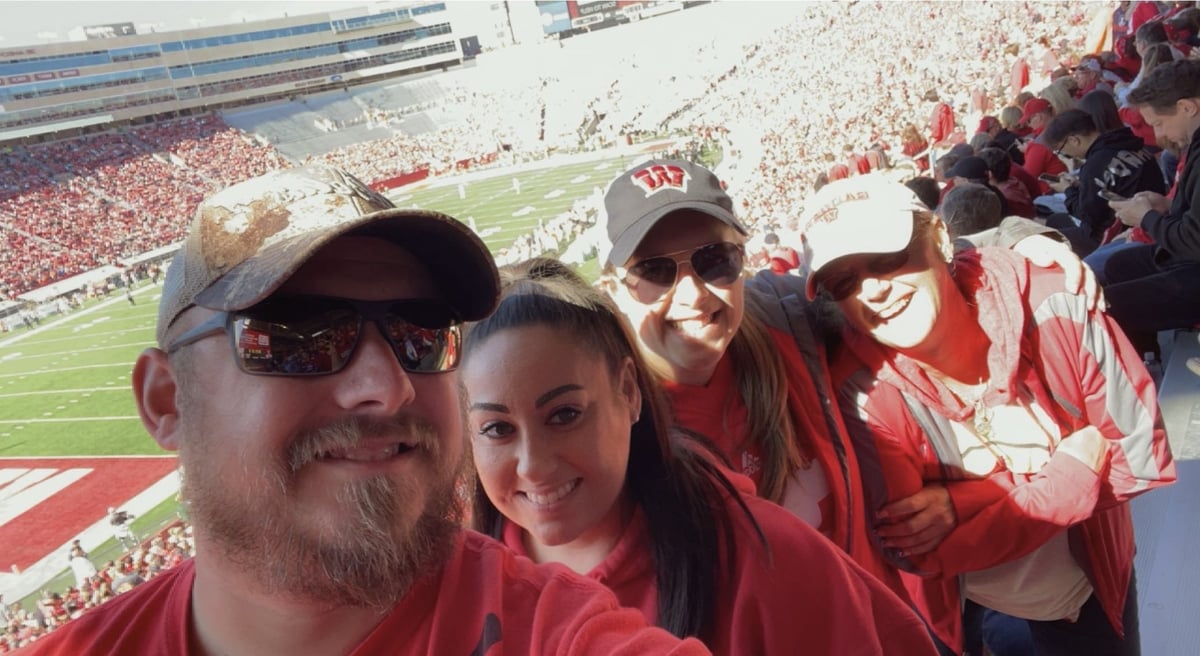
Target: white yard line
(66, 391)
(39, 372)
(66, 420)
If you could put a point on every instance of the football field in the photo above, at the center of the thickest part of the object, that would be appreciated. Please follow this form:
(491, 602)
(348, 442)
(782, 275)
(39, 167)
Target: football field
(71, 443)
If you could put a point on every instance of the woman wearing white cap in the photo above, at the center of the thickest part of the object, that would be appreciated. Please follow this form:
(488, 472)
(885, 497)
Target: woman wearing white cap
(977, 372)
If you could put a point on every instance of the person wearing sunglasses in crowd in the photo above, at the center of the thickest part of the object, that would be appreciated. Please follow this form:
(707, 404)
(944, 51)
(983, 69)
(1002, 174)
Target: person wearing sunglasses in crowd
(308, 335)
(577, 462)
(743, 360)
(979, 373)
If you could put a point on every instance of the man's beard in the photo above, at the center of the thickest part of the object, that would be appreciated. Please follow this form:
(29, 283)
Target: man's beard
(370, 558)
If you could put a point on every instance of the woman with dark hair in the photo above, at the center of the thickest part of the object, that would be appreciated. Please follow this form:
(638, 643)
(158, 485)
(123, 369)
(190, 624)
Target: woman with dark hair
(577, 463)
(1101, 106)
(976, 368)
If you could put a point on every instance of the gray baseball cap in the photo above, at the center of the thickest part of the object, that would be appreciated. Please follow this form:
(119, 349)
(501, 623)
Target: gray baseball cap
(643, 195)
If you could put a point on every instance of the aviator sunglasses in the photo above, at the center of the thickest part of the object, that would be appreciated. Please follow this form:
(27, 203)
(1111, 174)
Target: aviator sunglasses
(716, 264)
(317, 335)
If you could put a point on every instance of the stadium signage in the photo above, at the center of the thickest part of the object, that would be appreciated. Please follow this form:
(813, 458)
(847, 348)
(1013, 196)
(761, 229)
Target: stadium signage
(587, 8)
(109, 30)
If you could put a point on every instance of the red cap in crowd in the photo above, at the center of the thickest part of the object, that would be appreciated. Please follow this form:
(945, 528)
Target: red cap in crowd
(1034, 106)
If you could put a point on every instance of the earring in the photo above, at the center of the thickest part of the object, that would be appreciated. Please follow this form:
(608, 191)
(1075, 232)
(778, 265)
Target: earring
(948, 252)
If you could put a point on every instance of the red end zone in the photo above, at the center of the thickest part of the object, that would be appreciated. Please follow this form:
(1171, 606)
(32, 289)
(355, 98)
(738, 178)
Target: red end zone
(47, 501)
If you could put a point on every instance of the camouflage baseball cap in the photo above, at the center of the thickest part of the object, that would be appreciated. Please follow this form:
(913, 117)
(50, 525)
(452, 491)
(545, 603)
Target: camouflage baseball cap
(248, 239)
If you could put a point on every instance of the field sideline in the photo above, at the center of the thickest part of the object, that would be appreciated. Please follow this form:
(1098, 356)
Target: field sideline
(65, 384)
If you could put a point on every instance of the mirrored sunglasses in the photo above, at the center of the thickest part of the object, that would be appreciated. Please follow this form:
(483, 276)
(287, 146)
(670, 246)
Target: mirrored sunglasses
(318, 335)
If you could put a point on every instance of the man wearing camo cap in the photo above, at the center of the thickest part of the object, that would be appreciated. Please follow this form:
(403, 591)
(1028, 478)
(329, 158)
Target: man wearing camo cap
(307, 339)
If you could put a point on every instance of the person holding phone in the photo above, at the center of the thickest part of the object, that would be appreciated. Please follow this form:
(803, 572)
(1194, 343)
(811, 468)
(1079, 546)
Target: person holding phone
(1115, 163)
(1153, 287)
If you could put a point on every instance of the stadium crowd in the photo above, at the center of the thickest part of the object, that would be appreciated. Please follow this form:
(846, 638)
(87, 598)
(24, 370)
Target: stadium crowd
(94, 585)
(755, 87)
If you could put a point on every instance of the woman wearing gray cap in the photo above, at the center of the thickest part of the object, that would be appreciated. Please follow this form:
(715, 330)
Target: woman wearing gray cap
(743, 359)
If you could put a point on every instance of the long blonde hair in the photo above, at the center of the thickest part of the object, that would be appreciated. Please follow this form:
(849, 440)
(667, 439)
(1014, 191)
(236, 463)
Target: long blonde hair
(762, 383)
(1058, 96)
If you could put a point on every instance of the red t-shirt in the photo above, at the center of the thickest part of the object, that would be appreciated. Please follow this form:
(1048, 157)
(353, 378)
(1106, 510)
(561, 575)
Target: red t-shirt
(806, 592)
(1038, 160)
(717, 411)
(783, 259)
(484, 601)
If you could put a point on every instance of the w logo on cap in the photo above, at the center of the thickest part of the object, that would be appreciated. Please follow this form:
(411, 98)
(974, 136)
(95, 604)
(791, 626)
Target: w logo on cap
(658, 177)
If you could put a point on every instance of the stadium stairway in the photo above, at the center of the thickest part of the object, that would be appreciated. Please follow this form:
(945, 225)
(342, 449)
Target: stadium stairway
(1167, 521)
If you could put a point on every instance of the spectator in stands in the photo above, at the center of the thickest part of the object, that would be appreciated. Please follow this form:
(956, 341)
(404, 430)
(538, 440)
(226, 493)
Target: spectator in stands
(1001, 137)
(1152, 287)
(649, 514)
(781, 258)
(941, 120)
(970, 208)
(1155, 55)
(1114, 162)
(1102, 107)
(1017, 198)
(963, 364)
(1060, 95)
(1010, 120)
(975, 169)
(288, 513)
(1153, 33)
(1185, 29)
(1040, 159)
(1088, 76)
(914, 145)
(926, 189)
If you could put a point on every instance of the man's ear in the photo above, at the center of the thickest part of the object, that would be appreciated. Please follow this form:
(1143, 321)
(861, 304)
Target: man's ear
(154, 388)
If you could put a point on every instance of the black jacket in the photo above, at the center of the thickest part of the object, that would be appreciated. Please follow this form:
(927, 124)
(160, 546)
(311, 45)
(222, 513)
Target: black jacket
(1119, 162)
(1177, 233)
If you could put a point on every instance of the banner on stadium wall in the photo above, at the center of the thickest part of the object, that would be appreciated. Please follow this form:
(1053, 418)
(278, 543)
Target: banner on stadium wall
(109, 30)
(581, 9)
(400, 180)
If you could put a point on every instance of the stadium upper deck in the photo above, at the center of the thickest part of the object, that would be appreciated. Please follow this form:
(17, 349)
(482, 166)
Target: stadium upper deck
(126, 76)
